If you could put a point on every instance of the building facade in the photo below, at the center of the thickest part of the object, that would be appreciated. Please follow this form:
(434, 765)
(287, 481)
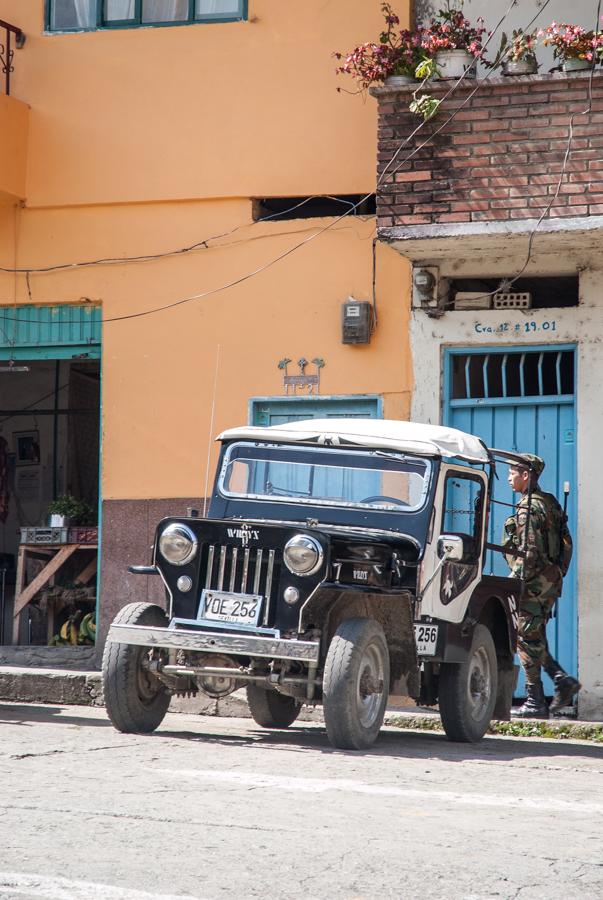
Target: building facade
(158, 237)
(500, 212)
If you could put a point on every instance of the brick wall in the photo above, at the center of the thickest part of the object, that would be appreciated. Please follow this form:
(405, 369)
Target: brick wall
(501, 156)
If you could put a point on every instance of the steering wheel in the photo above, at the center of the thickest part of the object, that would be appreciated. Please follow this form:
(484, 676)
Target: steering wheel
(382, 497)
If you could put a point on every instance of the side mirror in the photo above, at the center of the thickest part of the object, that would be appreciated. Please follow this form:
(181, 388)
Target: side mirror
(452, 546)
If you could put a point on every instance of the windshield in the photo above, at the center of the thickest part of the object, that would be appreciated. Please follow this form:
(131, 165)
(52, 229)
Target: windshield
(321, 476)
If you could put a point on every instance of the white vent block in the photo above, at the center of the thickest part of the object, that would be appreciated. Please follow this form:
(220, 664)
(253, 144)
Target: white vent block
(513, 301)
(473, 300)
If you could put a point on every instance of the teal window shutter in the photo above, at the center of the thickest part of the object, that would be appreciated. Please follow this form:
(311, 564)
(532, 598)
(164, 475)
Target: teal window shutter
(50, 332)
(90, 15)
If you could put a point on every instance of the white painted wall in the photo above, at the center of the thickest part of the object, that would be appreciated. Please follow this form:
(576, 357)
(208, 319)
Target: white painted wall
(582, 12)
(582, 325)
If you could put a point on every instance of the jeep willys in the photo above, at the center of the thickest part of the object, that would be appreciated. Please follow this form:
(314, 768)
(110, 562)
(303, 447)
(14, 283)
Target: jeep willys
(341, 561)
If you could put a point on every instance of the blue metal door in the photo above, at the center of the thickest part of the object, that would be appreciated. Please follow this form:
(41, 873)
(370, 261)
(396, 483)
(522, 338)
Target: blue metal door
(277, 410)
(523, 399)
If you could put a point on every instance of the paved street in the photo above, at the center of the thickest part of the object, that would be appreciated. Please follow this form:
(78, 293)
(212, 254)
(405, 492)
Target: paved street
(218, 808)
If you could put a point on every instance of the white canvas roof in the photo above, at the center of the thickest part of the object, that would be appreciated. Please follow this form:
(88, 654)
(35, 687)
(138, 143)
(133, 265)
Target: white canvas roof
(390, 434)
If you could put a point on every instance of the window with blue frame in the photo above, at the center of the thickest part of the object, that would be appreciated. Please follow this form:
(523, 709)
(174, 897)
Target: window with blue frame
(87, 15)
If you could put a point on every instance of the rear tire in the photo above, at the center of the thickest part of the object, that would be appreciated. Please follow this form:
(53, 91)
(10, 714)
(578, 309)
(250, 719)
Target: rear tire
(467, 692)
(356, 684)
(136, 701)
(271, 709)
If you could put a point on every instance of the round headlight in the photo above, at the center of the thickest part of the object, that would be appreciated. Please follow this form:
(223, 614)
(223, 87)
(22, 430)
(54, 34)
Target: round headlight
(303, 555)
(178, 544)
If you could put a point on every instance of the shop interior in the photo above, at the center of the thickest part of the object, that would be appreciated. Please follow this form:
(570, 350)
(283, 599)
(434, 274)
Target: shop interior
(49, 495)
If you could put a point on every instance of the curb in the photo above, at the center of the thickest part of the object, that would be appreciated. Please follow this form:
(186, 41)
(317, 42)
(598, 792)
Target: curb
(33, 685)
(79, 688)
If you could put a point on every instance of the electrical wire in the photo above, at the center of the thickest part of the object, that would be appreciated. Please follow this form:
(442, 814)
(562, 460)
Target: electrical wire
(321, 231)
(506, 283)
(479, 85)
(204, 243)
(335, 221)
(35, 403)
(179, 251)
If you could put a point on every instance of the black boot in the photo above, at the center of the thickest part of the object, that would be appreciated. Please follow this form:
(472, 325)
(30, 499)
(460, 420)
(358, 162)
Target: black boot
(565, 688)
(535, 706)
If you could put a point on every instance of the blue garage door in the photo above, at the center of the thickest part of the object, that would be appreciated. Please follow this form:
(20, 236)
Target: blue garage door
(523, 400)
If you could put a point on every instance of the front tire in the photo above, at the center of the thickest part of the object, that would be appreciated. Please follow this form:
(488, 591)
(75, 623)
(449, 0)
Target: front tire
(356, 684)
(467, 692)
(271, 709)
(136, 701)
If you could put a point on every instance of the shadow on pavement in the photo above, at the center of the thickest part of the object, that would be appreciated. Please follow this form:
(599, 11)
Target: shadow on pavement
(396, 744)
(392, 743)
(30, 714)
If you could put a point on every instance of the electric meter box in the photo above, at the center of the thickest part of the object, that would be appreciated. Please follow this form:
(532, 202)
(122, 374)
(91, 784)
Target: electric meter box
(356, 322)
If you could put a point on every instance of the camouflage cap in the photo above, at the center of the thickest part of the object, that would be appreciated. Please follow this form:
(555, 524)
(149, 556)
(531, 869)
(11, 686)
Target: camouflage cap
(535, 462)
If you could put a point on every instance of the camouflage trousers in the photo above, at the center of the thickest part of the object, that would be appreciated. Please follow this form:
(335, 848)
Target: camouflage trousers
(535, 610)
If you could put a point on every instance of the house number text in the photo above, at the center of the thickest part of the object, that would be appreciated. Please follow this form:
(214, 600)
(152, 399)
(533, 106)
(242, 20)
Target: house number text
(521, 327)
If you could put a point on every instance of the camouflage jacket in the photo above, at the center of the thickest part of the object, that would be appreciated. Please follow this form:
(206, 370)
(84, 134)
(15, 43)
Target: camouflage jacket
(541, 541)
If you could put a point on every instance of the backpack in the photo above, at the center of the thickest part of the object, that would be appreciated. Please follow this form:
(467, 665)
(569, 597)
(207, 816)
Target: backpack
(560, 544)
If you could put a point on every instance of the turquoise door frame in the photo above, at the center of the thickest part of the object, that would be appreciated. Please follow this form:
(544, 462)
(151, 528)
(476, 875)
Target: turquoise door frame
(56, 332)
(277, 410)
(544, 424)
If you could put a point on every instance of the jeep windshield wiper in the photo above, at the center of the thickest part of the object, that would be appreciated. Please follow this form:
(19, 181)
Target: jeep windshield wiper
(397, 457)
(285, 492)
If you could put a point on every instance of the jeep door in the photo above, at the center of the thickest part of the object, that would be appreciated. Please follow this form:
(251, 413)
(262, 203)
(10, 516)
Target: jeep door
(459, 508)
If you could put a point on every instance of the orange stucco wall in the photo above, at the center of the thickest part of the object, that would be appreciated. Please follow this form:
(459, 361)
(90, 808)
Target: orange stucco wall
(147, 140)
(209, 110)
(14, 123)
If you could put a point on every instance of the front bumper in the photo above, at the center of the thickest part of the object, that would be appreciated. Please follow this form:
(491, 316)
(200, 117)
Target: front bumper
(215, 642)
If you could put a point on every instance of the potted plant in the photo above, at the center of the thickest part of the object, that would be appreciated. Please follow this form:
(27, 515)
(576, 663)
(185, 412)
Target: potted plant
(68, 510)
(393, 60)
(518, 55)
(575, 47)
(453, 41)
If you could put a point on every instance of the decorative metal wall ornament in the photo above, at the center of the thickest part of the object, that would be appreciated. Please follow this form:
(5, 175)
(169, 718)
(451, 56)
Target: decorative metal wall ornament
(294, 384)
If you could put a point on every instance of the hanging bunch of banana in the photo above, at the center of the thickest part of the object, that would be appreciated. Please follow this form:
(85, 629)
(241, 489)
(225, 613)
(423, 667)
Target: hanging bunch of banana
(77, 629)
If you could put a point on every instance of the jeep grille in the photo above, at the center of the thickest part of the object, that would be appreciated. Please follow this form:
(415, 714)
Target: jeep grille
(242, 571)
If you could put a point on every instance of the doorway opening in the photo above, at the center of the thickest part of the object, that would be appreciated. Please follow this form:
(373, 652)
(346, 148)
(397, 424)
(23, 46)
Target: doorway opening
(49, 500)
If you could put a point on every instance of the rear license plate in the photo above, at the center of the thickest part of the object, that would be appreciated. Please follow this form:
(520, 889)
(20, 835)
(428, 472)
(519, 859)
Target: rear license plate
(426, 639)
(221, 606)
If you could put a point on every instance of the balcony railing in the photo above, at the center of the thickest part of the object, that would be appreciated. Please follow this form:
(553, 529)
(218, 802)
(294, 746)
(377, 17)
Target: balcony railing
(7, 51)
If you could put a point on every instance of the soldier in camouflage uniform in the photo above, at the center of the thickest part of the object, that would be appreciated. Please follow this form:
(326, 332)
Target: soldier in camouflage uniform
(545, 538)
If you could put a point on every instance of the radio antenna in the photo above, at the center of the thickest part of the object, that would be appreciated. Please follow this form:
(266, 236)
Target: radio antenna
(211, 430)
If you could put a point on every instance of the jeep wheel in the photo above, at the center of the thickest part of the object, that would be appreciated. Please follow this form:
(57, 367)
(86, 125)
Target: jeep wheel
(135, 699)
(271, 709)
(356, 684)
(468, 691)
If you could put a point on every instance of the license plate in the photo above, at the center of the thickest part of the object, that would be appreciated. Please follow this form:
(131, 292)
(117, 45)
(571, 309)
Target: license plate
(426, 639)
(221, 606)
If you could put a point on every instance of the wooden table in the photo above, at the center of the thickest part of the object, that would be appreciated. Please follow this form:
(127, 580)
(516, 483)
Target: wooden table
(55, 556)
